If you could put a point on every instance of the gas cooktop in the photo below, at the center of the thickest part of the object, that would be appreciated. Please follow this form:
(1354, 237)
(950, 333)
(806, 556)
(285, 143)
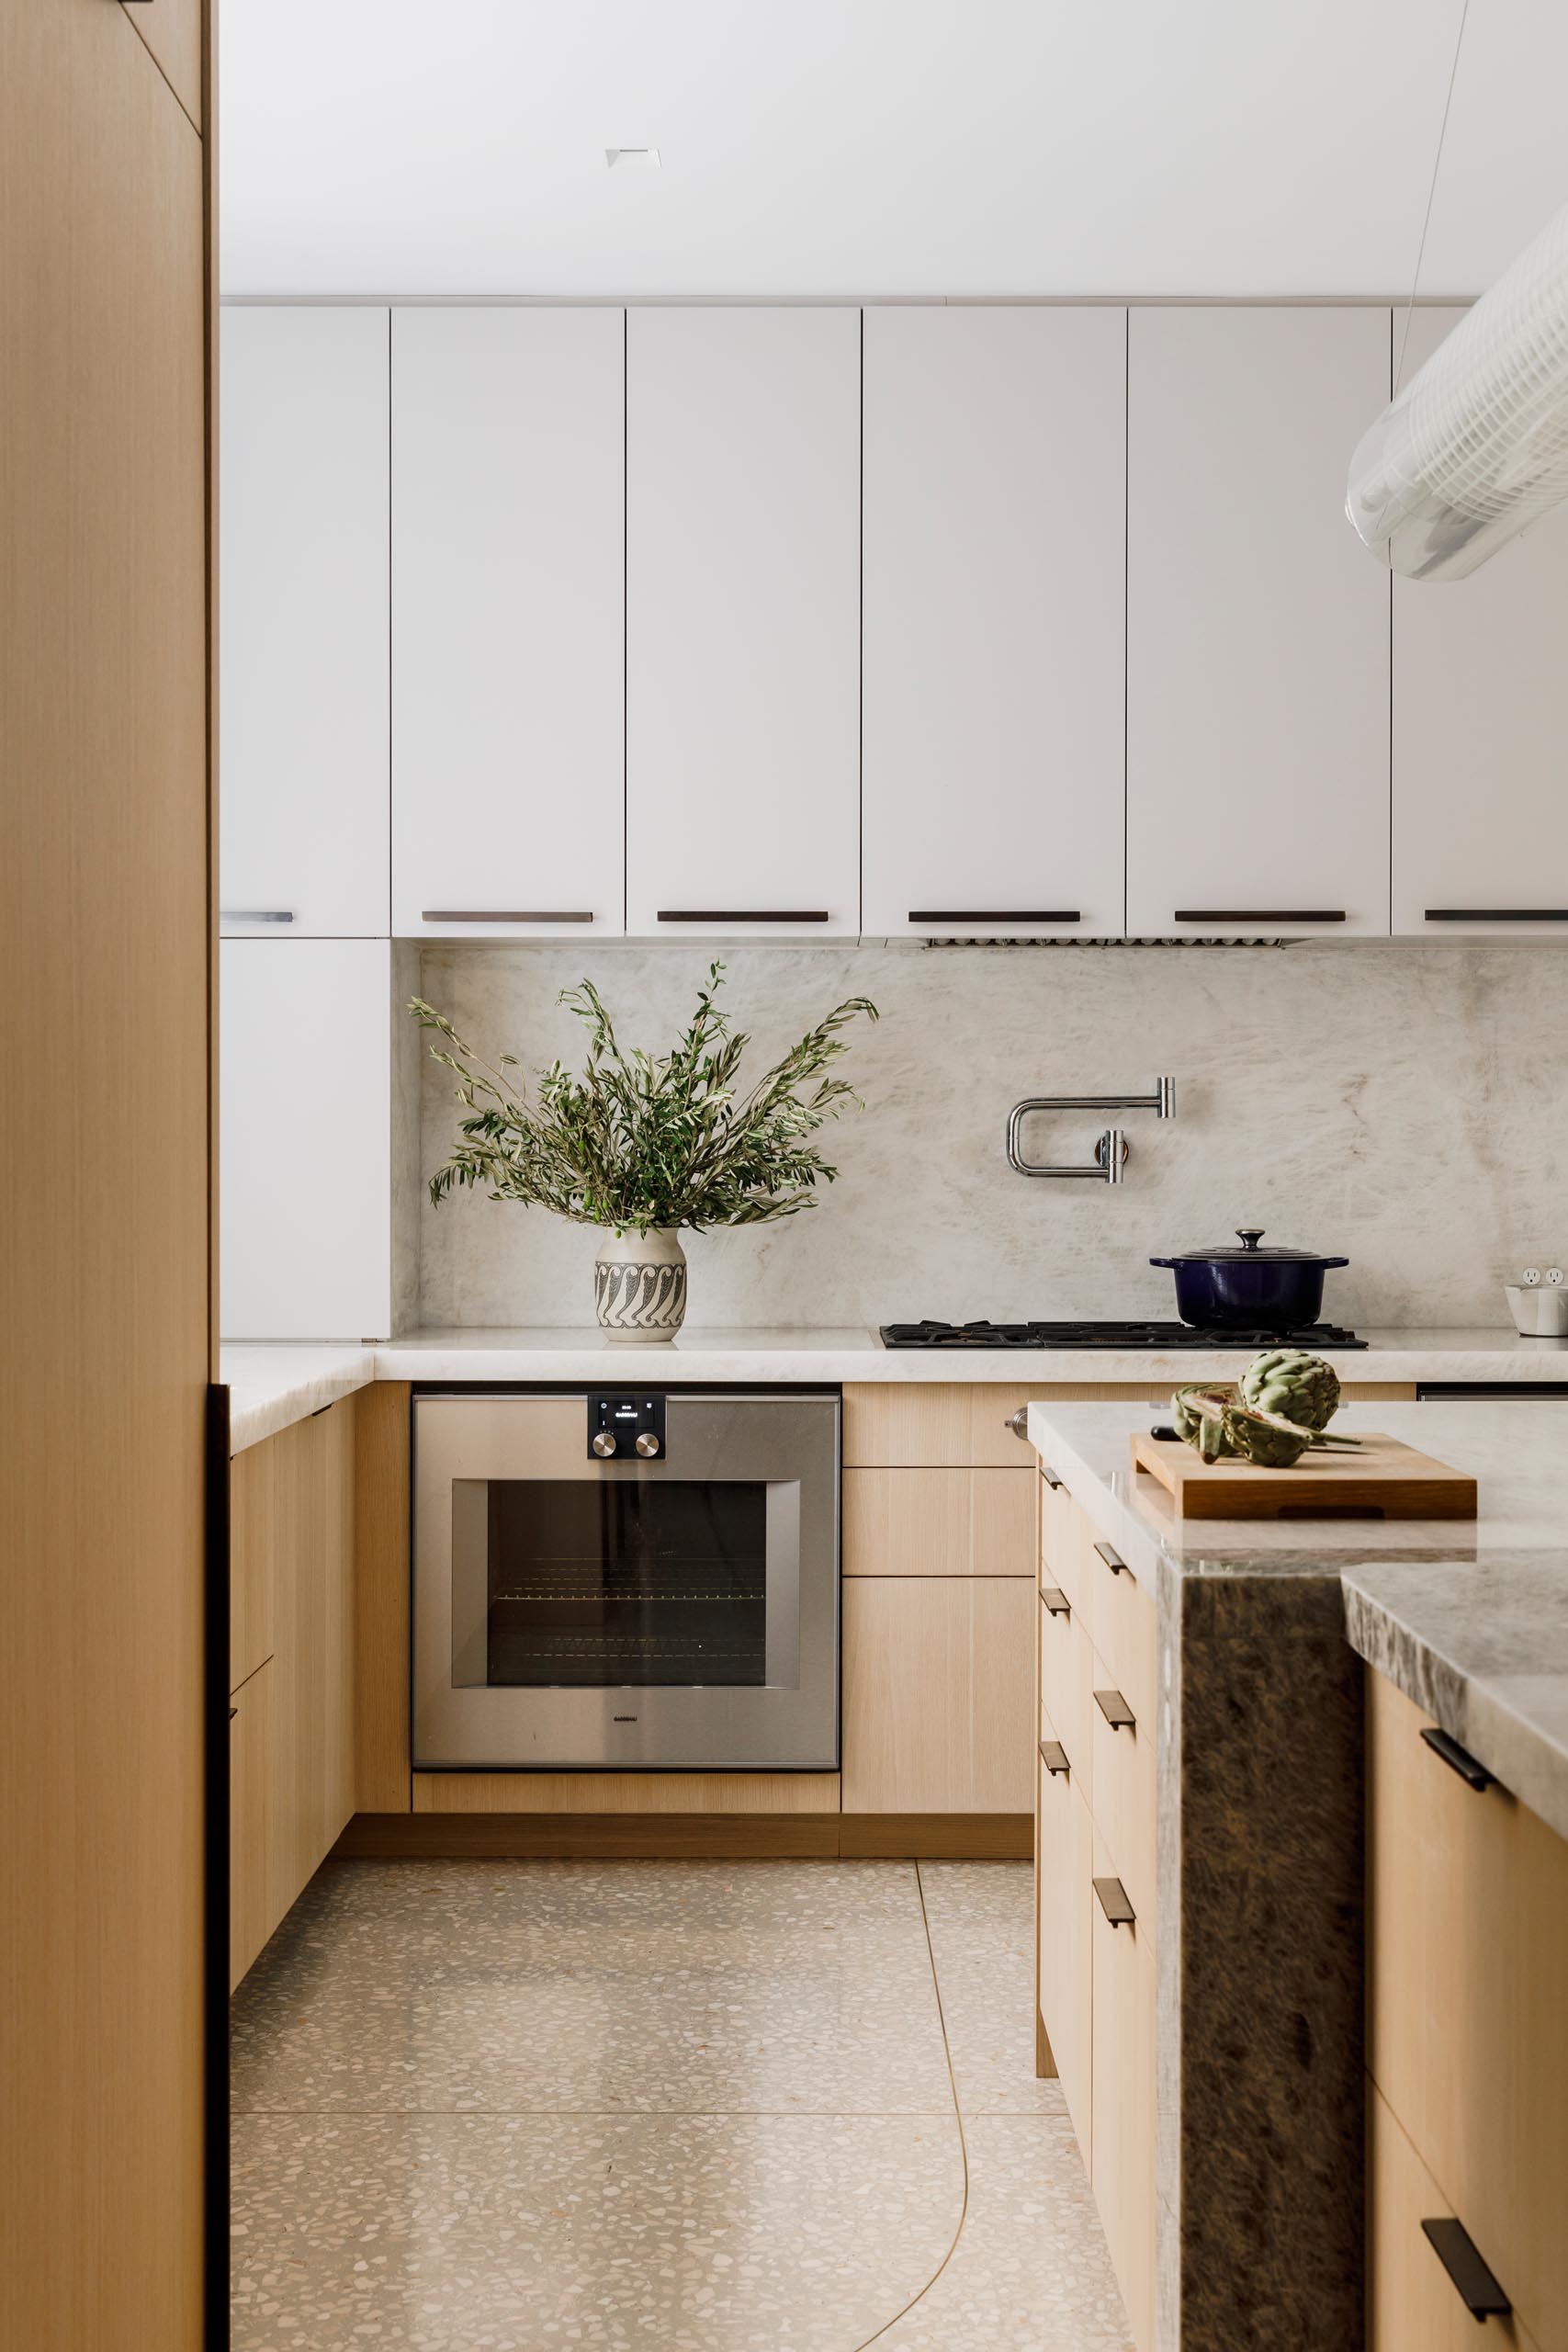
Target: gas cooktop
(1107, 1335)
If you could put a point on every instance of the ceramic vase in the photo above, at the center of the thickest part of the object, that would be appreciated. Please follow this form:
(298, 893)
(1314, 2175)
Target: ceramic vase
(640, 1285)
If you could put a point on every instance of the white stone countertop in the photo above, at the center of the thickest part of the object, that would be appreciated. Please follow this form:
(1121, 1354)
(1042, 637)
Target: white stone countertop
(276, 1381)
(1469, 1618)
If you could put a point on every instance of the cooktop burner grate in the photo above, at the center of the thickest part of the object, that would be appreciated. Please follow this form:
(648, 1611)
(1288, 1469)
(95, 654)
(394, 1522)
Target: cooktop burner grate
(1107, 1335)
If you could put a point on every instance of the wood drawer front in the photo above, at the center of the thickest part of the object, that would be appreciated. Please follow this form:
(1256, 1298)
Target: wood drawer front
(1121, 1627)
(1122, 1776)
(1122, 2162)
(1066, 1678)
(939, 1694)
(259, 1520)
(252, 1915)
(939, 1522)
(936, 1424)
(1063, 1898)
(1065, 1558)
(1411, 2303)
(1467, 2018)
(618, 1792)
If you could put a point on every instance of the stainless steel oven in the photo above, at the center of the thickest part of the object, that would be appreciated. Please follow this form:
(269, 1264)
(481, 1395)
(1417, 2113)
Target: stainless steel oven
(628, 1578)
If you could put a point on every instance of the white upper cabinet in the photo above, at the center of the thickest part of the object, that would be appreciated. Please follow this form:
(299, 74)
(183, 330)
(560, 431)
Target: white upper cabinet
(743, 622)
(995, 563)
(302, 639)
(1481, 732)
(1258, 626)
(304, 1170)
(508, 500)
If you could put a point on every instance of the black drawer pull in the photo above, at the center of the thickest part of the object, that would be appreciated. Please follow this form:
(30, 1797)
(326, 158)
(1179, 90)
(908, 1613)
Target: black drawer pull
(1455, 2249)
(232, 1713)
(1050, 1476)
(1116, 1710)
(733, 914)
(1458, 1759)
(1112, 1559)
(1055, 1599)
(488, 914)
(1497, 914)
(1059, 914)
(1113, 1902)
(1258, 915)
(1054, 1756)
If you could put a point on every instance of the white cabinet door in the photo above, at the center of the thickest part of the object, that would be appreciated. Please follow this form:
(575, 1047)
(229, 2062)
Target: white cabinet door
(995, 558)
(743, 622)
(1258, 626)
(302, 638)
(305, 1172)
(1480, 733)
(508, 587)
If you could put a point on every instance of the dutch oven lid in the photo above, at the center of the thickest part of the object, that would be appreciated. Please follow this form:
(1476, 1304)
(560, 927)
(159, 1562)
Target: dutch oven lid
(1249, 1254)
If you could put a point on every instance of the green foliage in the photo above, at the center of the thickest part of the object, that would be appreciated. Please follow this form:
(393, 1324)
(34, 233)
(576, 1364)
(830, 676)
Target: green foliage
(641, 1141)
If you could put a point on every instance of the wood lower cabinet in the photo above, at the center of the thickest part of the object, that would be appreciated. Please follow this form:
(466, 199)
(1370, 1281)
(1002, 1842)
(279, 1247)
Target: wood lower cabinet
(938, 1695)
(938, 1523)
(292, 1515)
(1064, 1898)
(1467, 2023)
(1121, 2157)
(1412, 2302)
(252, 1781)
(1094, 1839)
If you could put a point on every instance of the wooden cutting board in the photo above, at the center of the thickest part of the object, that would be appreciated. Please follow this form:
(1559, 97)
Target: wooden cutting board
(1382, 1480)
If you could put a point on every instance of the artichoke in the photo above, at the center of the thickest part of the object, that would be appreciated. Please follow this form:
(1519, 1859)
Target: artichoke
(1298, 1386)
(1269, 1442)
(1195, 1409)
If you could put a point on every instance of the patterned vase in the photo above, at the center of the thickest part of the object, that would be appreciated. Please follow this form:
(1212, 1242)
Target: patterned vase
(640, 1285)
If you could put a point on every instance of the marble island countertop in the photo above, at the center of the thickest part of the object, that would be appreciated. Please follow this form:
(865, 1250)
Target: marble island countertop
(275, 1382)
(1469, 1618)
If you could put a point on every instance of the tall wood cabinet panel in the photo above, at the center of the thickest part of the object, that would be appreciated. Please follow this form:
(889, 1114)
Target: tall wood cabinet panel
(306, 1143)
(993, 656)
(743, 622)
(509, 523)
(1479, 721)
(303, 556)
(1257, 627)
(103, 1273)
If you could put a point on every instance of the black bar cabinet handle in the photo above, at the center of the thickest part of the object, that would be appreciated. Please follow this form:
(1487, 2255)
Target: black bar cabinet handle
(1497, 914)
(1050, 914)
(1050, 1476)
(1114, 1904)
(1054, 1756)
(1455, 2250)
(1259, 914)
(732, 914)
(510, 914)
(1116, 1710)
(1055, 1599)
(1112, 1559)
(232, 1713)
(1459, 1760)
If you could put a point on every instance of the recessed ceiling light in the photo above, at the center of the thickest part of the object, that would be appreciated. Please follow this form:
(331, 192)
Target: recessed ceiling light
(648, 157)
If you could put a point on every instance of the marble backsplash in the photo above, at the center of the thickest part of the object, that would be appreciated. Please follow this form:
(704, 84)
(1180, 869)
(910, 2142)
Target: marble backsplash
(1406, 1107)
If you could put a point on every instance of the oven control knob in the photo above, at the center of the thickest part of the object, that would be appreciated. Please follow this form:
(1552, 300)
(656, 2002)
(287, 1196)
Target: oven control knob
(604, 1443)
(647, 1444)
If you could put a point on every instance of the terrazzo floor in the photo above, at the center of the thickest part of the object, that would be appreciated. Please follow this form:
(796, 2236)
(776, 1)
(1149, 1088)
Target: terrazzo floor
(698, 2107)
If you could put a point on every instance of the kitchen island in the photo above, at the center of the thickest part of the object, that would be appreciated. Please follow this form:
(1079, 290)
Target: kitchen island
(1203, 1981)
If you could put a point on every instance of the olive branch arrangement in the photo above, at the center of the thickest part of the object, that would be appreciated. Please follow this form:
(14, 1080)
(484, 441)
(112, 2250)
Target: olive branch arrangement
(642, 1141)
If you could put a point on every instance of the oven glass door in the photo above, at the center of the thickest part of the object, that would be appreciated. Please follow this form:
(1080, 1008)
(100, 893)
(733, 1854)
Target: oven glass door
(677, 1613)
(616, 1585)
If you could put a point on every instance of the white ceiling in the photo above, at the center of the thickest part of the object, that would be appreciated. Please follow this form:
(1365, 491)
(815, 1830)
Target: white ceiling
(393, 149)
